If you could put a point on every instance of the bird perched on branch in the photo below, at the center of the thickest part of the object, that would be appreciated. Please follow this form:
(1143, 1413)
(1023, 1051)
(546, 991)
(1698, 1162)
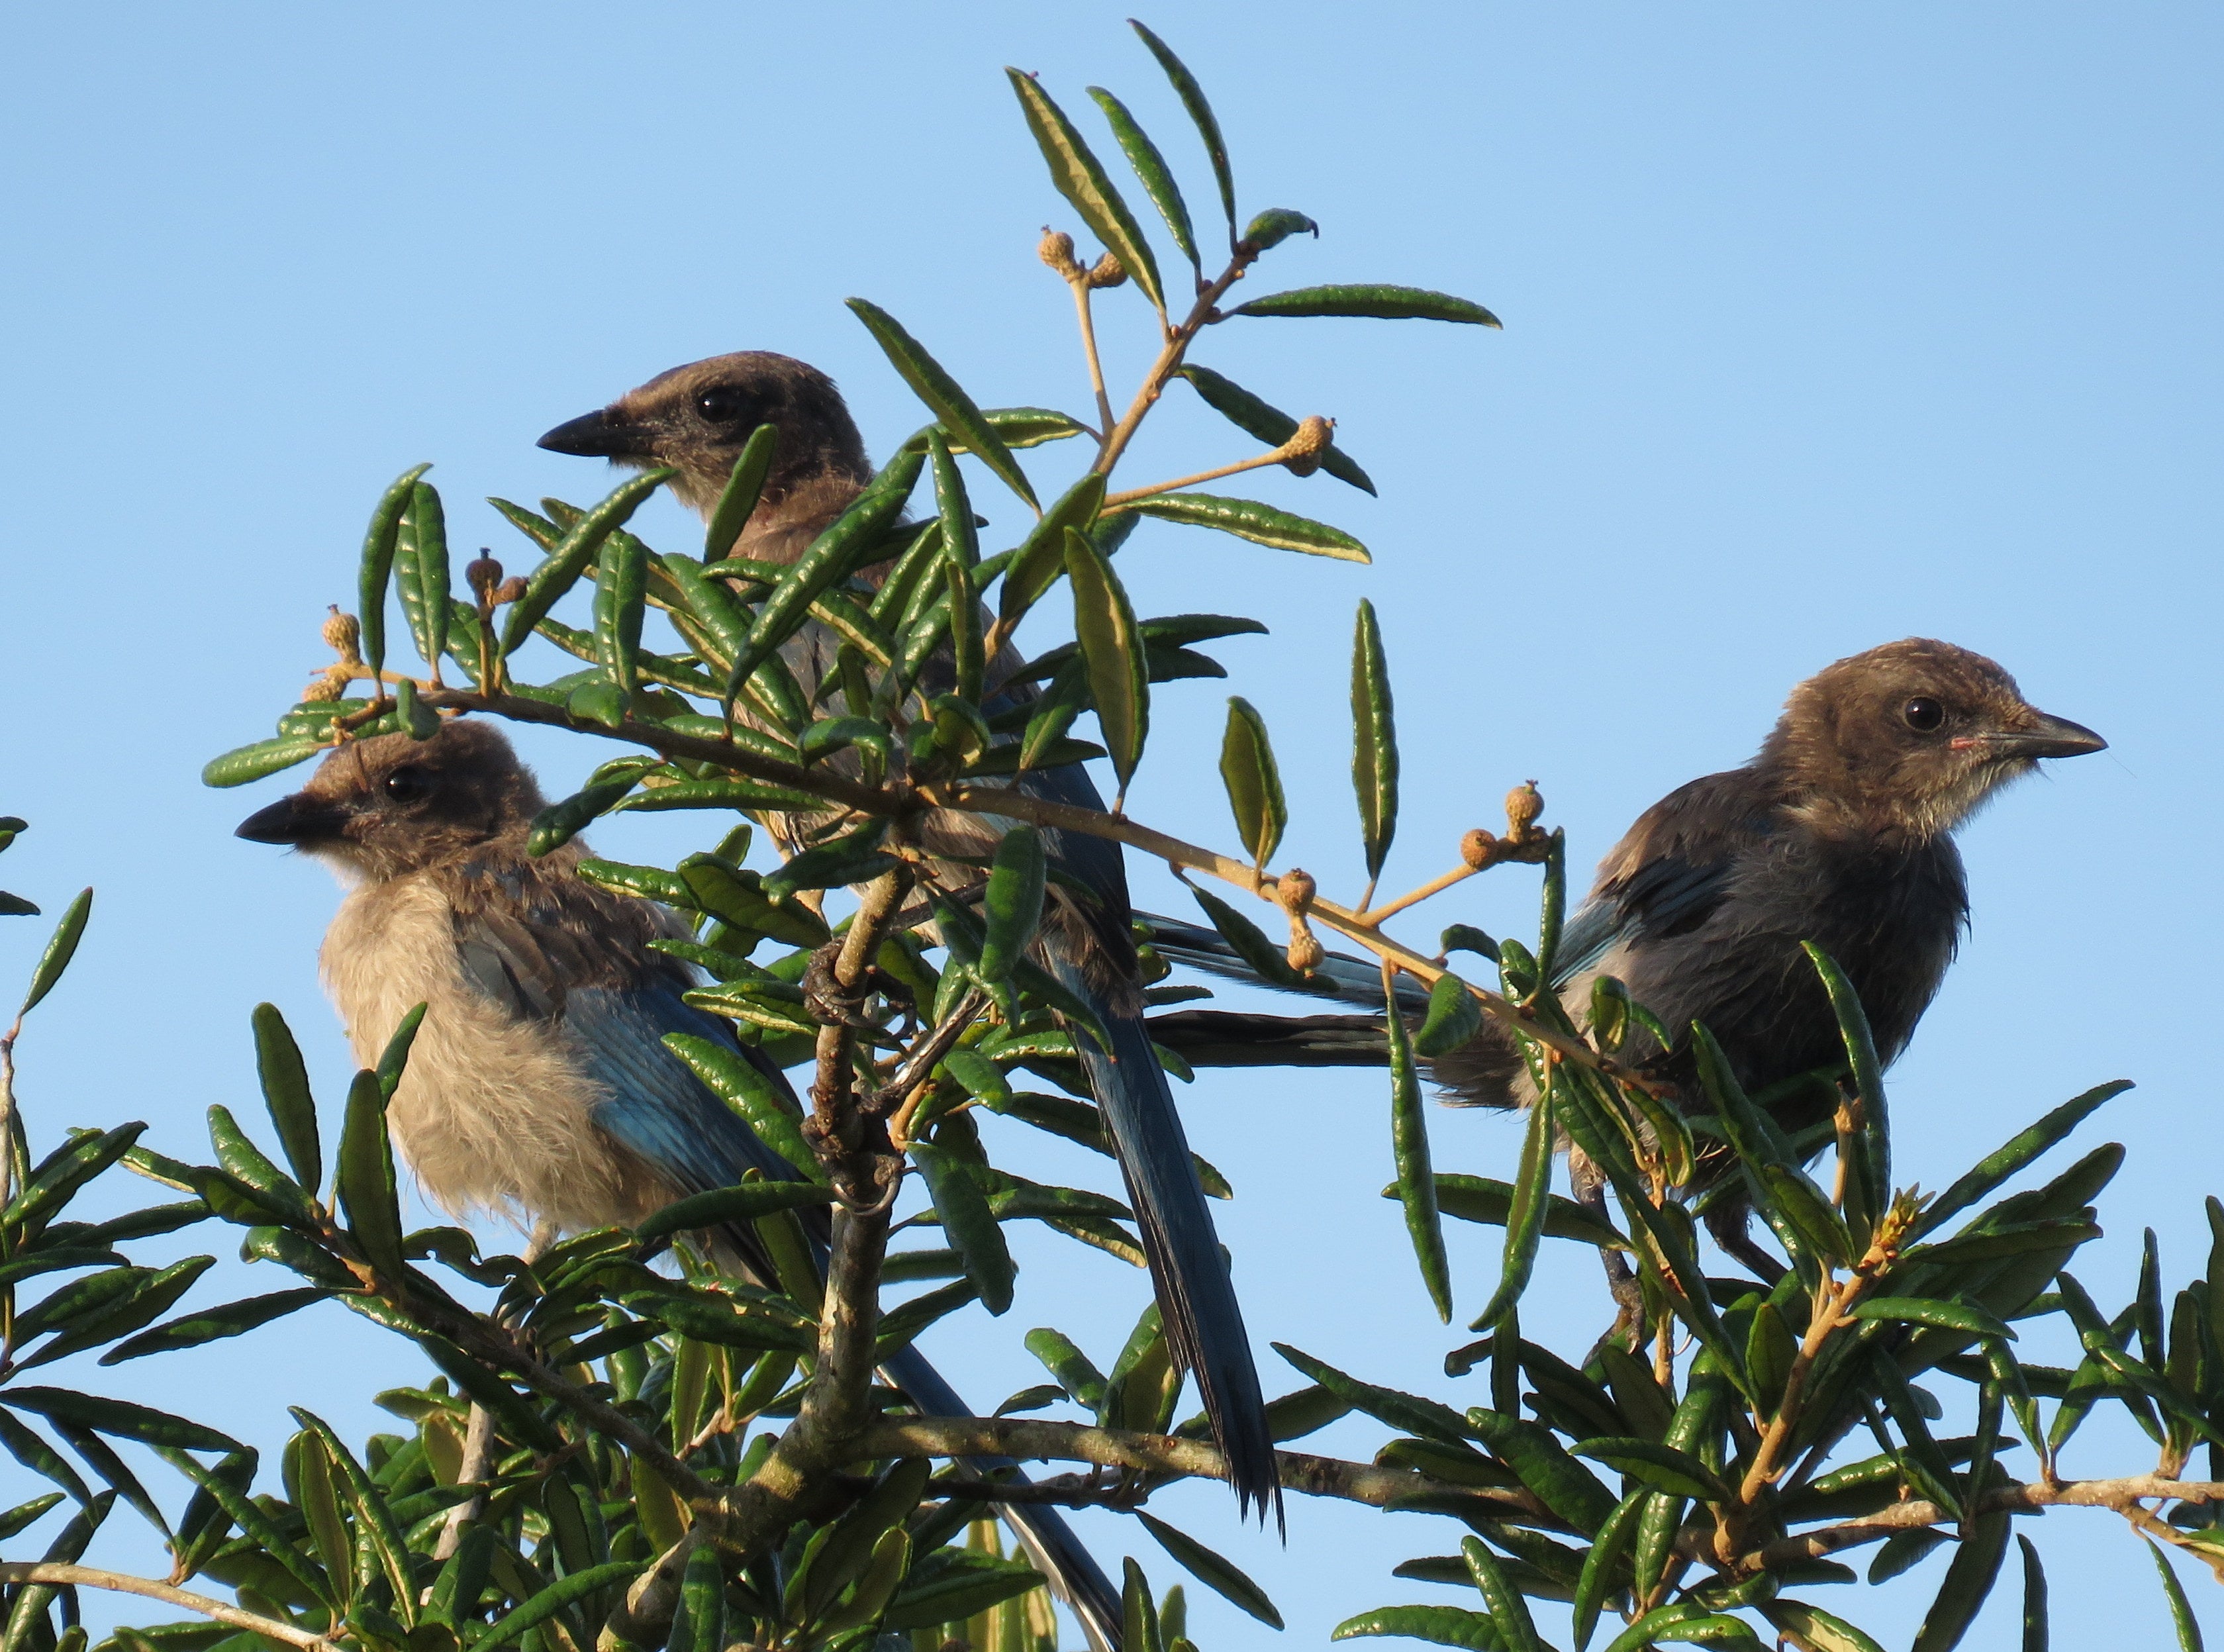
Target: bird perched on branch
(539, 1085)
(1840, 832)
(696, 419)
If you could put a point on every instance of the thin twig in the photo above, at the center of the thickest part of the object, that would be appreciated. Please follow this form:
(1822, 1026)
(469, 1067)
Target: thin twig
(1169, 358)
(1374, 916)
(1114, 502)
(1088, 320)
(55, 1573)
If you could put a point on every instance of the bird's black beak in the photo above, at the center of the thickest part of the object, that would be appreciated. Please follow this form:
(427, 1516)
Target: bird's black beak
(603, 433)
(2048, 736)
(297, 819)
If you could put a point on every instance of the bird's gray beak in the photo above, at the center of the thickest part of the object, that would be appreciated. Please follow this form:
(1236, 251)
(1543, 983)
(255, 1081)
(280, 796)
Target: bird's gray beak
(603, 433)
(296, 820)
(2049, 737)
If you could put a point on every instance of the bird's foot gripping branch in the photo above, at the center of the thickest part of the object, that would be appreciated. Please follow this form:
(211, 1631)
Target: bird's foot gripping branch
(697, 1417)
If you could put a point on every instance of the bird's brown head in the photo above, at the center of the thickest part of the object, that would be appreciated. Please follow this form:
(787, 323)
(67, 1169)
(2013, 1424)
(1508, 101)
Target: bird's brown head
(696, 418)
(1908, 740)
(383, 807)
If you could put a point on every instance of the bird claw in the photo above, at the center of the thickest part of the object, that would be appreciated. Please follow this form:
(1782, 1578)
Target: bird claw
(826, 1000)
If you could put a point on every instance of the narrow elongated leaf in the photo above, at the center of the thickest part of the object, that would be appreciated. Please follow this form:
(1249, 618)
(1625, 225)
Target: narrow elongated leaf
(1524, 1217)
(1040, 558)
(1078, 175)
(1373, 742)
(366, 1185)
(2016, 1152)
(1417, 1183)
(1013, 903)
(1150, 170)
(1602, 1563)
(547, 584)
(699, 1625)
(1969, 1577)
(211, 1324)
(1517, 1630)
(1260, 524)
(1454, 1018)
(1259, 418)
(1254, 782)
(1662, 1467)
(967, 1219)
(2036, 1629)
(248, 763)
(121, 1418)
(252, 1520)
(1112, 653)
(421, 573)
(743, 1204)
(729, 1076)
(538, 1610)
(1221, 1576)
(737, 501)
(621, 593)
(1208, 127)
(374, 1518)
(61, 947)
(377, 564)
(1383, 303)
(1816, 1628)
(1568, 1489)
(1915, 1310)
(1439, 1625)
(42, 1459)
(944, 397)
(285, 1078)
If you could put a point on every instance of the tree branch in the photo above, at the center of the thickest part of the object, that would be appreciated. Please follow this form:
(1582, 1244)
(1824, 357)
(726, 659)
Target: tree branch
(55, 1573)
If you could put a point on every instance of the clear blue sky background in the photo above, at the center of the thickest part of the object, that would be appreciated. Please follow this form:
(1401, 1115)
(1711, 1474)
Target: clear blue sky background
(1824, 326)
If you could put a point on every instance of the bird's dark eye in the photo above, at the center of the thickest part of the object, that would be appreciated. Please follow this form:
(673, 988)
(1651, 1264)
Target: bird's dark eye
(1923, 714)
(406, 785)
(722, 404)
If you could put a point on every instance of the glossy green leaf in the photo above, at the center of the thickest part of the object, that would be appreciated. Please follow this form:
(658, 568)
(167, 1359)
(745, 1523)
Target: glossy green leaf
(1602, 1562)
(945, 398)
(213, 1324)
(1151, 171)
(745, 1203)
(1221, 1576)
(1663, 1467)
(248, 763)
(1914, 1310)
(1040, 558)
(620, 594)
(1440, 1625)
(1013, 903)
(366, 1184)
(1254, 782)
(560, 570)
(285, 1079)
(949, 1585)
(1015, 427)
(120, 1418)
(1794, 1196)
(738, 500)
(1509, 1613)
(2015, 1153)
(1483, 1199)
(1381, 302)
(1526, 1214)
(1078, 175)
(421, 573)
(699, 1625)
(1208, 127)
(531, 1613)
(2036, 1629)
(1113, 654)
(1417, 1185)
(1262, 524)
(729, 1076)
(1275, 226)
(1816, 1628)
(973, 1229)
(1968, 1580)
(61, 947)
(376, 567)
(1454, 1018)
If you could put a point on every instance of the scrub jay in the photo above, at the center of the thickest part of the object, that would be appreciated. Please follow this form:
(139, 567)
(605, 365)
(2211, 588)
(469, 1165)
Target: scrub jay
(696, 419)
(539, 1087)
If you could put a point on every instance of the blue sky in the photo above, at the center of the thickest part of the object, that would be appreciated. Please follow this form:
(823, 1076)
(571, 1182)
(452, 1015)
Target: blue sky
(1823, 327)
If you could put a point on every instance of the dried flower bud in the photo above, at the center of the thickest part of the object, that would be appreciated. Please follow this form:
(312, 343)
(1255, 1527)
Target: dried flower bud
(1523, 806)
(1294, 890)
(483, 576)
(327, 686)
(509, 589)
(1302, 453)
(1056, 249)
(1106, 272)
(1478, 849)
(1306, 952)
(344, 635)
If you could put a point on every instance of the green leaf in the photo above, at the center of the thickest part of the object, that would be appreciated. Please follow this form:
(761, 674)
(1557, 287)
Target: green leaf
(2015, 1153)
(1792, 1194)
(379, 541)
(1012, 903)
(737, 897)
(421, 573)
(729, 1076)
(1662, 1467)
(2035, 1625)
(699, 1625)
(746, 1203)
(1375, 740)
(1408, 1413)
(621, 593)
(1915, 1310)
(876, 1585)
(1870, 1186)
(1525, 1216)
(1602, 1563)
(1040, 558)
(42, 1459)
(24, 1514)
(1275, 226)
(1140, 1618)
(1272, 426)
(1015, 427)
(1112, 651)
(1441, 1625)
(560, 570)
(1814, 1627)
(211, 1324)
(56, 1179)
(1770, 1349)
(944, 397)
(61, 947)
(1269, 961)
(952, 1584)
(285, 1078)
(1254, 782)
(538, 1608)
(1486, 1200)
(265, 757)
(1249, 519)
(1381, 302)
(1150, 170)
(1217, 1574)
(1192, 99)
(737, 501)
(366, 1183)
(966, 1219)
(1083, 1383)
(1453, 1019)
(253, 1521)
(1080, 178)
(1508, 1612)
(1568, 1488)
(120, 1418)
(1969, 1579)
